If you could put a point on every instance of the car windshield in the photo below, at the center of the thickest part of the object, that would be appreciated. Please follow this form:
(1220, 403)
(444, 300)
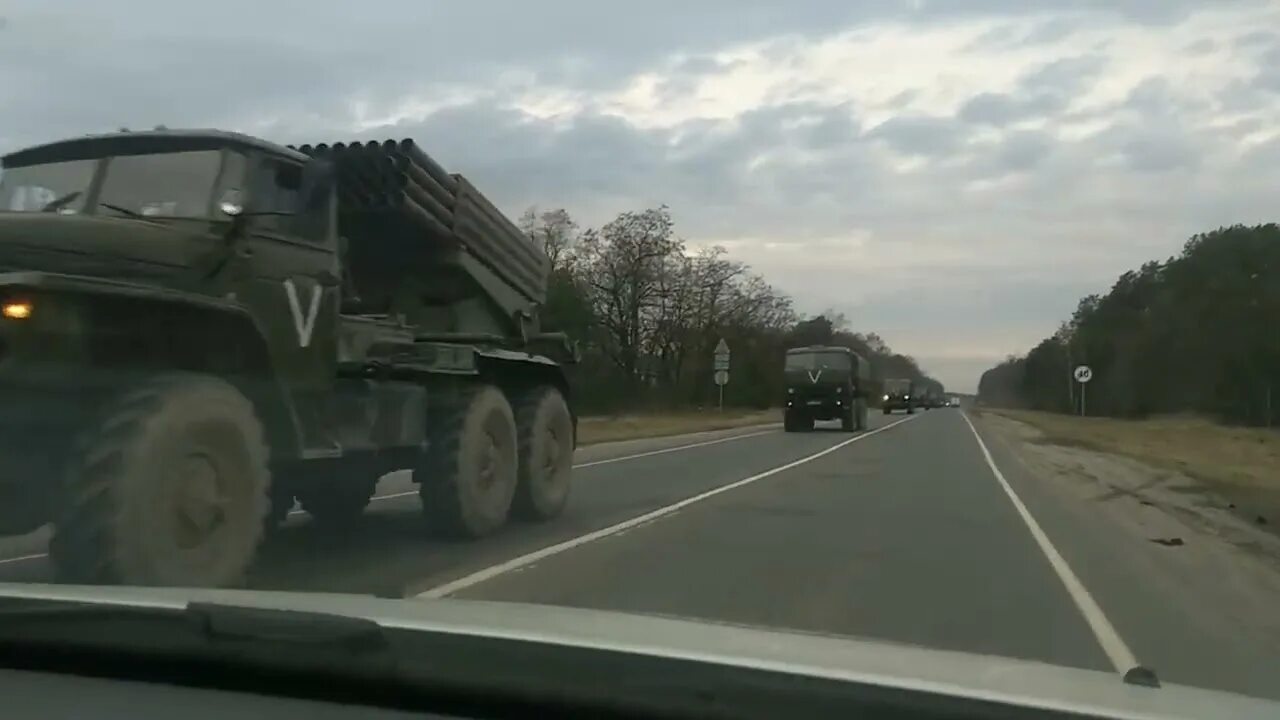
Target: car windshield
(952, 324)
(61, 186)
(817, 361)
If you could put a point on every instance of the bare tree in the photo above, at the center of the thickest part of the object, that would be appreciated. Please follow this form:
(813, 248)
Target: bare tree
(554, 230)
(625, 263)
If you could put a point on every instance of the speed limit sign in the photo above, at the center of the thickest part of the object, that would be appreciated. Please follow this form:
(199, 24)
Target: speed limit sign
(1083, 373)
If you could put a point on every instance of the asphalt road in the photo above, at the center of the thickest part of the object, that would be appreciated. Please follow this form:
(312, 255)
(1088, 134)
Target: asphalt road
(914, 532)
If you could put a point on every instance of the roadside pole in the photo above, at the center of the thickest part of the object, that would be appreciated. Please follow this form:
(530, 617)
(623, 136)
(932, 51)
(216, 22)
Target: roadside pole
(1082, 374)
(721, 369)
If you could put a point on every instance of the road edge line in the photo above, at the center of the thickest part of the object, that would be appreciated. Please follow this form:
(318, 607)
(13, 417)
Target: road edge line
(493, 571)
(1121, 657)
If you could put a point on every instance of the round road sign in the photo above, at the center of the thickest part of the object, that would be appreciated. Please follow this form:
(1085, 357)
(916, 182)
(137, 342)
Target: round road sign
(1083, 373)
(722, 377)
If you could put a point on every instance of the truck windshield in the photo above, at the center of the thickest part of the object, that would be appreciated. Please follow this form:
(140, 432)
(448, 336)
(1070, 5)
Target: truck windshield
(61, 186)
(179, 184)
(817, 361)
(897, 386)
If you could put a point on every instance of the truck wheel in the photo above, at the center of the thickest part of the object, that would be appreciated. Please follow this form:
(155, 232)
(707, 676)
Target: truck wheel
(860, 419)
(169, 488)
(911, 410)
(847, 421)
(339, 498)
(789, 423)
(544, 437)
(468, 478)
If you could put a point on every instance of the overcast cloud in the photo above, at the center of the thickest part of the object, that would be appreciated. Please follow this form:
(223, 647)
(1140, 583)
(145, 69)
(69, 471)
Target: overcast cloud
(951, 174)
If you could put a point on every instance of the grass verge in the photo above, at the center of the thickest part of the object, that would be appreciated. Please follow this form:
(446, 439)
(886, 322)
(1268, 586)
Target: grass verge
(1242, 463)
(592, 430)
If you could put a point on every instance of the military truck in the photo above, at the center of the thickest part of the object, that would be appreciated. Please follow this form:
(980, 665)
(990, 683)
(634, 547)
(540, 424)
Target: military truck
(899, 394)
(199, 327)
(825, 383)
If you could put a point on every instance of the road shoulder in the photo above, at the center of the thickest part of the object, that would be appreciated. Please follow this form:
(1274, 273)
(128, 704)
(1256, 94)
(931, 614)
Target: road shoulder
(1190, 587)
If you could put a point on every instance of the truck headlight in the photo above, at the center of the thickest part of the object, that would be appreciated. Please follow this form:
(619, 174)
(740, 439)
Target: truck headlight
(886, 397)
(17, 309)
(791, 391)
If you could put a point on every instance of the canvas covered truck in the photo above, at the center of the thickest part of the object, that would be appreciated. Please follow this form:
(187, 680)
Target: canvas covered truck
(825, 383)
(198, 328)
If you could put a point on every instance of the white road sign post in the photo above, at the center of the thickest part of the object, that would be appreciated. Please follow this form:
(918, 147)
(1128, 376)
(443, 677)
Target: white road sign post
(722, 368)
(1083, 374)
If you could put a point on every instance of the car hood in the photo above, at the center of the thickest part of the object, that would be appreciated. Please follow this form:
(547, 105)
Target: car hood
(886, 664)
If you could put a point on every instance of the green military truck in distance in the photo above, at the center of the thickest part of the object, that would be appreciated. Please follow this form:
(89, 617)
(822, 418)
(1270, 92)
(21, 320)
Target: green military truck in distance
(899, 394)
(825, 383)
(198, 328)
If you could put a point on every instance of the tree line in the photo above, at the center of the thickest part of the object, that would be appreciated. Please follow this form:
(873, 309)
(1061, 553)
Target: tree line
(647, 313)
(1196, 333)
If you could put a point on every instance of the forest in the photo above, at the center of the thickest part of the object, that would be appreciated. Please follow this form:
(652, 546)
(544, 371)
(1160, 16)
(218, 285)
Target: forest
(1196, 333)
(647, 313)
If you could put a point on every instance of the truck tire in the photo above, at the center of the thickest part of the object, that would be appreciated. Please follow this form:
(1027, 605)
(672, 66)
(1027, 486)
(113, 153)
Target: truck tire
(195, 433)
(544, 438)
(860, 419)
(789, 423)
(338, 499)
(847, 420)
(468, 478)
(911, 410)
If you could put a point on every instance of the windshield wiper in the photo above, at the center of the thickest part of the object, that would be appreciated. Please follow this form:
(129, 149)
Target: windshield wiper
(198, 630)
(123, 210)
(57, 204)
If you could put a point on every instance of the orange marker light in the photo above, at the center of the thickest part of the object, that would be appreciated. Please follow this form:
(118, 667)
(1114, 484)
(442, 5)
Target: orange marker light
(16, 310)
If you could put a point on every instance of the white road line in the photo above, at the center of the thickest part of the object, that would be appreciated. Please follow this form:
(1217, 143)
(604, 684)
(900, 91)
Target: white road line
(673, 449)
(1120, 655)
(24, 558)
(393, 496)
(516, 563)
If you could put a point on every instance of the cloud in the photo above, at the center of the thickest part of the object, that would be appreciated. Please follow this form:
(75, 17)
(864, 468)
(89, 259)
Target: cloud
(1044, 91)
(952, 175)
(920, 135)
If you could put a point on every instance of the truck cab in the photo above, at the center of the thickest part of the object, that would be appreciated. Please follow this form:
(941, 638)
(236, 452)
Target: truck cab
(825, 383)
(900, 394)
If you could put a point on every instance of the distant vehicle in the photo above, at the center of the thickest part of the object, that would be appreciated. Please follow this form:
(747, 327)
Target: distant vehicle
(825, 383)
(899, 394)
(954, 402)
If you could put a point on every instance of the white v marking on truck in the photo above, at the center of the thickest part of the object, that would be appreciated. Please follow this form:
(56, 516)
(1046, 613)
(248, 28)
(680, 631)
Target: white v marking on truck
(814, 378)
(304, 326)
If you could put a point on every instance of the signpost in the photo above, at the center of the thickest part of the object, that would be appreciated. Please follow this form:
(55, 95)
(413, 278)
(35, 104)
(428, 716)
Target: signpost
(1083, 374)
(722, 368)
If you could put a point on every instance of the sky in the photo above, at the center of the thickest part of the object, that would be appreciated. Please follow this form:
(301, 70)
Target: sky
(952, 175)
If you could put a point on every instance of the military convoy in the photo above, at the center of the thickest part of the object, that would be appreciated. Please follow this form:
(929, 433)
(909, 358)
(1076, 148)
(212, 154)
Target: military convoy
(199, 327)
(825, 383)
